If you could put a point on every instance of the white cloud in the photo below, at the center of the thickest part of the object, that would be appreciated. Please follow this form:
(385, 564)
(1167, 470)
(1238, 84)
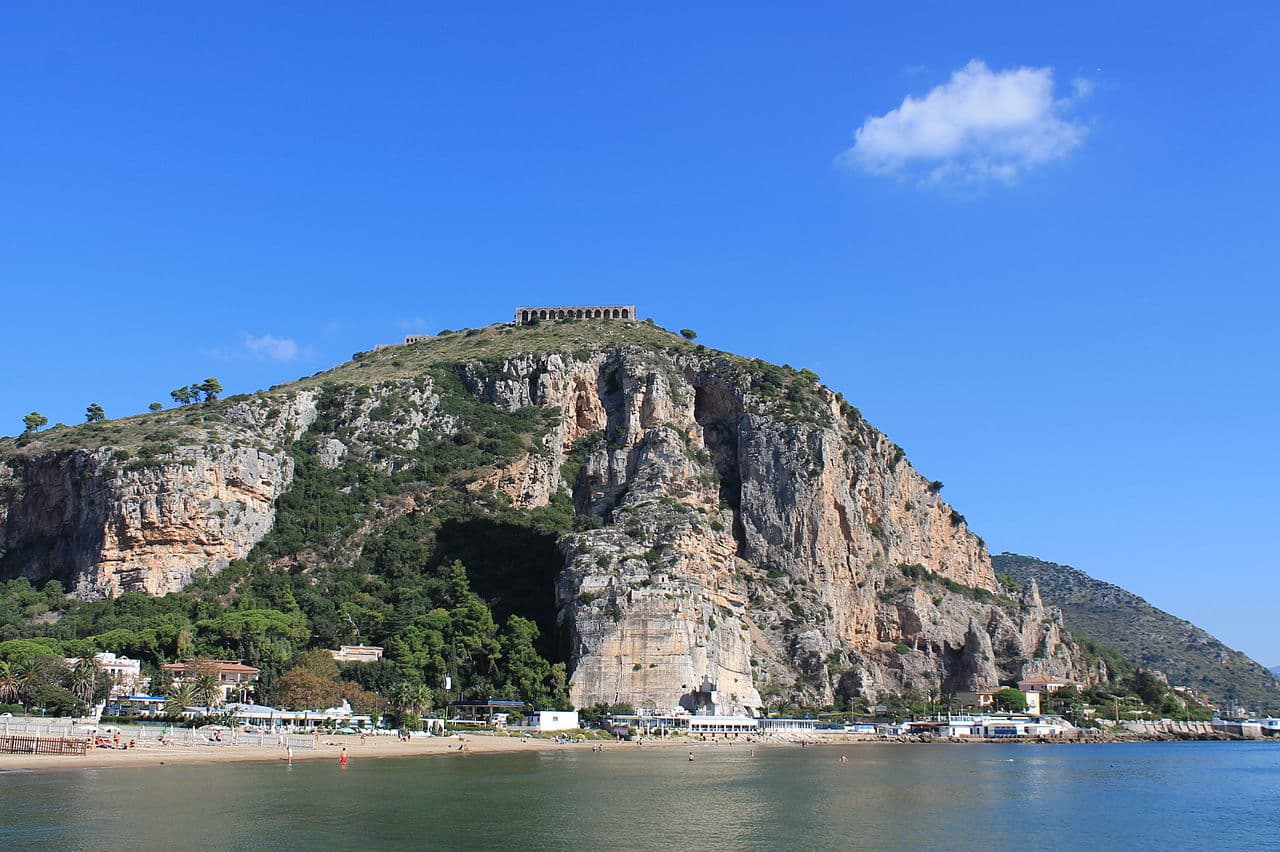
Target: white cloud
(980, 125)
(270, 346)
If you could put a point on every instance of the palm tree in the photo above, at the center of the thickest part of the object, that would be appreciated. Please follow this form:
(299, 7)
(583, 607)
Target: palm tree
(208, 689)
(84, 678)
(410, 697)
(8, 683)
(27, 677)
(181, 696)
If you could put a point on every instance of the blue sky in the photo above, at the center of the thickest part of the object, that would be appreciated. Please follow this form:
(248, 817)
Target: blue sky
(1037, 248)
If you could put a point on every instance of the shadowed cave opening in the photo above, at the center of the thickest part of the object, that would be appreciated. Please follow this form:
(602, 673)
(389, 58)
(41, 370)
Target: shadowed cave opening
(718, 412)
(512, 567)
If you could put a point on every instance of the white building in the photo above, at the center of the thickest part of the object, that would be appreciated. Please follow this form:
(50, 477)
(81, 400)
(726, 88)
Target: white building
(553, 720)
(269, 718)
(126, 674)
(357, 654)
(780, 725)
(723, 725)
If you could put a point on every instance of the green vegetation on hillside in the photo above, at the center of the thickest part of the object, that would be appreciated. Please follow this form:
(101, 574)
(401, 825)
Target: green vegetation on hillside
(1108, 617)
(460, 587)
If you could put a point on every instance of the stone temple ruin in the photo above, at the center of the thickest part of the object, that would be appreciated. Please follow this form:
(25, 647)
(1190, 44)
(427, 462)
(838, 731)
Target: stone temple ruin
(524, 316)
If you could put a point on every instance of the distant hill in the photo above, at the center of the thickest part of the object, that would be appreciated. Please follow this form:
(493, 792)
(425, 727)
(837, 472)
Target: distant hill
(1148, 636)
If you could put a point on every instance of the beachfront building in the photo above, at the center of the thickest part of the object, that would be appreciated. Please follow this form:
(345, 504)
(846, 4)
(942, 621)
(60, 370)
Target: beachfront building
(652, 723)
(779, 726)
(552, 720)
(144, 706)
(271, 719)
(1004, 727)
(680, 721)
(961, 727)
(125, 673)
(234, 677)
(357, 654)
(490, 711)
(723, 725)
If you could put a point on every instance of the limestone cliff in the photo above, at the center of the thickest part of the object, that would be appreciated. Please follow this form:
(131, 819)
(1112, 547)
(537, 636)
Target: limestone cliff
(103, 521)
(766, 541)
(736, 522)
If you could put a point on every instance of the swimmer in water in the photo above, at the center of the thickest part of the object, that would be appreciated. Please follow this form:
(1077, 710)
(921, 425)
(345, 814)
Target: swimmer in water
(691, 755)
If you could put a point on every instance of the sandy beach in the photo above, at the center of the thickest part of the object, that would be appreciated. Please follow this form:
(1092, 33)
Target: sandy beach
(330, 749)
(373, 747)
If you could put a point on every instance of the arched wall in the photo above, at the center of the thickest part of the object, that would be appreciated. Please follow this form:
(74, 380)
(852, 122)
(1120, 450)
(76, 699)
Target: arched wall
(526, 315)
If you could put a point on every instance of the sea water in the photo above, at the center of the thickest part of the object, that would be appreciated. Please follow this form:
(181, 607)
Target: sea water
(1170, 795)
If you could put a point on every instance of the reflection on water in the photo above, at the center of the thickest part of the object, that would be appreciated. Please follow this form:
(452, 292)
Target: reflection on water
(1218, 795)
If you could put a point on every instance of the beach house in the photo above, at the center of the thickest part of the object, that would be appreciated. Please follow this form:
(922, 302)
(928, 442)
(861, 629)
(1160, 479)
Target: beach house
(125, 673)
(235, 679)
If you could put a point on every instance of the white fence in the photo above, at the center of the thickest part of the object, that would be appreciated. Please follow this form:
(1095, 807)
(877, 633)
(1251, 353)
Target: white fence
(150, 735)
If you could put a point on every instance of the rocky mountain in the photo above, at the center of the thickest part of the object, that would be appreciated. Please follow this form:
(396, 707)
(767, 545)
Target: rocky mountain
(1150, 637)
(674, 517)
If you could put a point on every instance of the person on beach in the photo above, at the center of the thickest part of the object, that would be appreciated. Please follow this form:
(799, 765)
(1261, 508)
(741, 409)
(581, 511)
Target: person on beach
(342, 761)
(289, 751)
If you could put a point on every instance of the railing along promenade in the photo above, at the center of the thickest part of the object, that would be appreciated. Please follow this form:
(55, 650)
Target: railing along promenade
(142, 735)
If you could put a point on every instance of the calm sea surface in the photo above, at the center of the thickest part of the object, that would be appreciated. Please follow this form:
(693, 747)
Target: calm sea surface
(1175, 795)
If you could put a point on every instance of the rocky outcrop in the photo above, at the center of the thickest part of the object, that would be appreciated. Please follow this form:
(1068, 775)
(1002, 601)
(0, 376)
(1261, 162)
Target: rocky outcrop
(756, 542)
(103, 528)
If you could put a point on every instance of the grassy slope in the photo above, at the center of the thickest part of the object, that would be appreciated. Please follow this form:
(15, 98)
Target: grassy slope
(202, 422)
(1149, 636)
(206, 422)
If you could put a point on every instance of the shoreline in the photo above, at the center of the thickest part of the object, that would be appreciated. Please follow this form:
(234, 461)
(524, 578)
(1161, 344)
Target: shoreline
(376, 748)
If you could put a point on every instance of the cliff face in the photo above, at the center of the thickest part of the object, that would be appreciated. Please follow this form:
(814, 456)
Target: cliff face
(774, 544)
(148, 515)
(102, 530)
(737, 523)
